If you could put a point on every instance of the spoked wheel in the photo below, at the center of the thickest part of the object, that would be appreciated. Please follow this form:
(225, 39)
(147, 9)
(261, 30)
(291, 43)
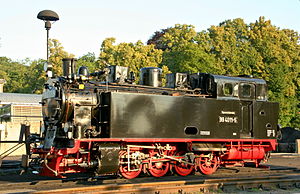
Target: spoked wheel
(206, 165)
(135, 169)
(182, 168)
(158, 168)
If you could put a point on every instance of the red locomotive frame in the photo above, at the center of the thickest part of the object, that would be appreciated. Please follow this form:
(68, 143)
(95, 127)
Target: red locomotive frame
(158, 156)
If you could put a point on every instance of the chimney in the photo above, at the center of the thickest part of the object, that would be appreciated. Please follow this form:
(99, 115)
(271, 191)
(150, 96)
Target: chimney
(2, 82)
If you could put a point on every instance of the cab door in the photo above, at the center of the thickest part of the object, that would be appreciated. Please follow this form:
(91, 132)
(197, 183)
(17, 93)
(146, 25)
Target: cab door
(246, 95)
(246, 130)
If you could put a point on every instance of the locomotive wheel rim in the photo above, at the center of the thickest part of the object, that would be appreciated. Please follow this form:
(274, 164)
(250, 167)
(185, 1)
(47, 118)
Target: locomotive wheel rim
(181, 168)
(124, 169)
(207, 166)
(158, 172)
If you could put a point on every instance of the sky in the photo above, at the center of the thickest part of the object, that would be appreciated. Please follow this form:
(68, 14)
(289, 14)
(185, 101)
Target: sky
(84, 24)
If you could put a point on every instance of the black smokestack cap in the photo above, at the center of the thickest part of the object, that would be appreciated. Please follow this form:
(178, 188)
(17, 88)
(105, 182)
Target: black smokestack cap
(69, 66)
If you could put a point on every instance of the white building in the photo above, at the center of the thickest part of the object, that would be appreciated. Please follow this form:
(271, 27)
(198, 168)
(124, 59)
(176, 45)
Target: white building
(17, 109)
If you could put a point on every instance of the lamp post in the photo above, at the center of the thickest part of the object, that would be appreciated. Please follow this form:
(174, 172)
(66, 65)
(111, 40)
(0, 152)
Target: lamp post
(48, 16)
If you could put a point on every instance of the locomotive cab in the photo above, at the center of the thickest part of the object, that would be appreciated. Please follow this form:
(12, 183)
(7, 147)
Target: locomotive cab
(225, 87)
(256, 116)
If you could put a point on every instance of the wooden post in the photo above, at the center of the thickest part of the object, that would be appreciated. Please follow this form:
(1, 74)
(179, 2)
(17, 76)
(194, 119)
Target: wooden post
(298, 146)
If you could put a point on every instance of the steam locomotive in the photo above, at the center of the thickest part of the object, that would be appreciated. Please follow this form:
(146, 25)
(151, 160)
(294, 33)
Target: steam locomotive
(105, 123)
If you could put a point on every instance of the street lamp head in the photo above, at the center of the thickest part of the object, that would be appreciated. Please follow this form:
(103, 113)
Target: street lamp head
(47, 15)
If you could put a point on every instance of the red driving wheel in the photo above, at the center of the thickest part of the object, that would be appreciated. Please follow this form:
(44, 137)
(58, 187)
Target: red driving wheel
(158, 167)
(182, 168)
(135, 169)
(206, 165)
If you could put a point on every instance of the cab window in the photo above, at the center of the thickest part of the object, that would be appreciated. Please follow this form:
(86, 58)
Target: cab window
(261, 92)
(228, 89)
(246, 90)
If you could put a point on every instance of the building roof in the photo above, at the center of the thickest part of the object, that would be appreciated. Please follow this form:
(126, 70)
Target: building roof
(17, 98)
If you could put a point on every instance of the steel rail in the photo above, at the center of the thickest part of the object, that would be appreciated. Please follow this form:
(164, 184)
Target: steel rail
(187, 185)
(112, 182)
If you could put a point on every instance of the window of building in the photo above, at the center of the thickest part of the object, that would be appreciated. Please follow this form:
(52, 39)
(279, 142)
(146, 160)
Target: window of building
(5, 113)
(29, 113)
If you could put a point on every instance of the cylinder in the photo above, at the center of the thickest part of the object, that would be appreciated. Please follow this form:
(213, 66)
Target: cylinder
(151, 76)
(69, 66)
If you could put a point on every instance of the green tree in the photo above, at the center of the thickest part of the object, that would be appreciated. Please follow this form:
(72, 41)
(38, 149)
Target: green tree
(21, 78)
(173, 37)
(184, 49)
(15, 74)
(233, 50)
(132, 55)
(280, 52)
(89, 60)
(57, 53)
(36, 76)
(189, 58)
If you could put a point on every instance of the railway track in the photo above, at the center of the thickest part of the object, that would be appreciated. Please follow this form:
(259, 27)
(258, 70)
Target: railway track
(223, 181)
(228, 184)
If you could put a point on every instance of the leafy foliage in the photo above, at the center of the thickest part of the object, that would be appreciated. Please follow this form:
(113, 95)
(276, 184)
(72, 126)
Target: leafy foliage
(57, 53)
(132, 55)
(21, 78)
(89, 60)
(15, 74)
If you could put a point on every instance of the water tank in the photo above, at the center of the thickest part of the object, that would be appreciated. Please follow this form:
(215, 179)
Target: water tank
(150, 76)
(117, 74)
(177, 80)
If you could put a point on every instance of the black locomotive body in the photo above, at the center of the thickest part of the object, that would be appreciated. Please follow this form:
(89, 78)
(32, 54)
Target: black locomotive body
(196, 123)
